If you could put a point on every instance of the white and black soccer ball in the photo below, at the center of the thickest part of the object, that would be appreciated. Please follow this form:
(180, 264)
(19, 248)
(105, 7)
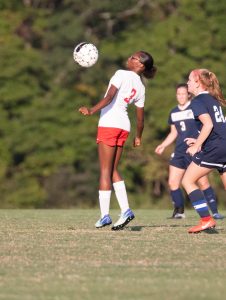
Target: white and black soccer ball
(85, 54)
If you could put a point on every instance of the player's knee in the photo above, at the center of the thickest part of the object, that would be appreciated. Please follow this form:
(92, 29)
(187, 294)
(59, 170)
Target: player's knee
(173, 184)
(203, 183)
(203, 186)
(185, 182)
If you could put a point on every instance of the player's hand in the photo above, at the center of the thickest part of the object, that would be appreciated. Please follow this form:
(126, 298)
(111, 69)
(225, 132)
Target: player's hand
(190, 141)
(85, 111)
(192, 150)
(137, 142)
(159, 149)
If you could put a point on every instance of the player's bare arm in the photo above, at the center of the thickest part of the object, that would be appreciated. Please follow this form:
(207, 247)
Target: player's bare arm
(171, 137)
(140, 126)
(101, 104)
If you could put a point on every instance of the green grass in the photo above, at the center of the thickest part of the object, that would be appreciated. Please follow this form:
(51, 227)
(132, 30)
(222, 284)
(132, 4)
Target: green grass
(58, 254)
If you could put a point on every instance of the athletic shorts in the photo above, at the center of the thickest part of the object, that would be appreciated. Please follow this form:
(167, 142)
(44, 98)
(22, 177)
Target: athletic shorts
(180, 160)
(206, 160)
(111, 136)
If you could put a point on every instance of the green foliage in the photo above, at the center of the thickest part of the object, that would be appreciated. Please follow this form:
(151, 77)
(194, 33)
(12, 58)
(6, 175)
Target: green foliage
(48, 156)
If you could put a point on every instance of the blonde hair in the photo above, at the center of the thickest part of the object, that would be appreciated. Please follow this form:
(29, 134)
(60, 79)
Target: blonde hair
(210, 82)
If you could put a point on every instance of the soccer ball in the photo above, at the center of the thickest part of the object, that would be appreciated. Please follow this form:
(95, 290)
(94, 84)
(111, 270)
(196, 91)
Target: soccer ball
(85, 54)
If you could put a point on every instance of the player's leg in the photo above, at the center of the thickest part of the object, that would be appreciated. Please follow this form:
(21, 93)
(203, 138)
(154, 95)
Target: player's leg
(174, 182)
(118, 182)
(119, 185)
(192, 175)
(223, 178)
(210, 196)
(120, 191)
(106, 161)
(116, 176)
(189, 182)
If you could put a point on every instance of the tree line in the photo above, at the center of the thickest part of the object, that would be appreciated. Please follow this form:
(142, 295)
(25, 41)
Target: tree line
(48, 155)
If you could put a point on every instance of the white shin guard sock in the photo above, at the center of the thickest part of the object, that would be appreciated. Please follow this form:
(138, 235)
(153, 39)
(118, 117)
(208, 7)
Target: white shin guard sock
(104, 200)
(121, 195)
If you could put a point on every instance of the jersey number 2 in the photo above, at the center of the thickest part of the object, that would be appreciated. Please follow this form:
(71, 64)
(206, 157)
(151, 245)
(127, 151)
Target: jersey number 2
(218, 115)
(132, 94)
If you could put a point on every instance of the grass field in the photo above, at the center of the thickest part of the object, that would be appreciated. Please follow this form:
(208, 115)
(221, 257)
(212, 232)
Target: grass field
(58, 254)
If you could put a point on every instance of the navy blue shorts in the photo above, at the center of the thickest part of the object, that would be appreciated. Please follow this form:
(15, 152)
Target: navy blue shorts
(180, 160)
(207, 160)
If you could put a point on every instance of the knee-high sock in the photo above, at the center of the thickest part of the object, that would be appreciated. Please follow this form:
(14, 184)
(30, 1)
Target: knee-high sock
(199, 203)
(121, 195)
(211, 199)
(104, 200)
(177, 198)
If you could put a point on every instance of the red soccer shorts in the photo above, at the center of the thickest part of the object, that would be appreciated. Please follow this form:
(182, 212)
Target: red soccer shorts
(111, 136)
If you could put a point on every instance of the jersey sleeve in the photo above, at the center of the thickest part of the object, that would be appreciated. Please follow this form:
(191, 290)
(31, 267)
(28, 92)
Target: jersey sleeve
(116, 79)
(140, 102)
(170, 121)
(198, 108)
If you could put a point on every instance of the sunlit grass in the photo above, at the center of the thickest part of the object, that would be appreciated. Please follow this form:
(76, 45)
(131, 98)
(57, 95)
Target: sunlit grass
(58, 254)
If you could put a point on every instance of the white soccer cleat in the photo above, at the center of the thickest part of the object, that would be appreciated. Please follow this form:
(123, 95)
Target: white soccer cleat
(124, 219)
(179, 216)
(105, 221)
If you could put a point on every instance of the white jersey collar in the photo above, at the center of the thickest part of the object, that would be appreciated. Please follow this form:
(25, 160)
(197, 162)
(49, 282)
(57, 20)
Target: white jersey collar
(203, 92)
(183, 107)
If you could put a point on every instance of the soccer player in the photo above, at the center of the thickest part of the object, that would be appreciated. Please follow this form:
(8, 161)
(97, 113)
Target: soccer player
(182, 127)
(125, 87)
(209, 150)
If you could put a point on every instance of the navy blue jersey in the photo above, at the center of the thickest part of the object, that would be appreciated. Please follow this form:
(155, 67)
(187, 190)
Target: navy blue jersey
(186, 126)
(215, 144)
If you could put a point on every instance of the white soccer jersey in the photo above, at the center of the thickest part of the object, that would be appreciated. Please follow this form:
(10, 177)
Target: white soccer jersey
(130, 90)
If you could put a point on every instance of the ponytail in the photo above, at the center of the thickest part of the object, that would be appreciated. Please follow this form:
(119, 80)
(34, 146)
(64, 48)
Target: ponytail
(210, 82)
(147, 60)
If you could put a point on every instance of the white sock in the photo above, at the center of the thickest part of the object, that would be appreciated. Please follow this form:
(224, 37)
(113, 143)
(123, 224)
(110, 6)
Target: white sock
(121, 195)
(104, 200)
